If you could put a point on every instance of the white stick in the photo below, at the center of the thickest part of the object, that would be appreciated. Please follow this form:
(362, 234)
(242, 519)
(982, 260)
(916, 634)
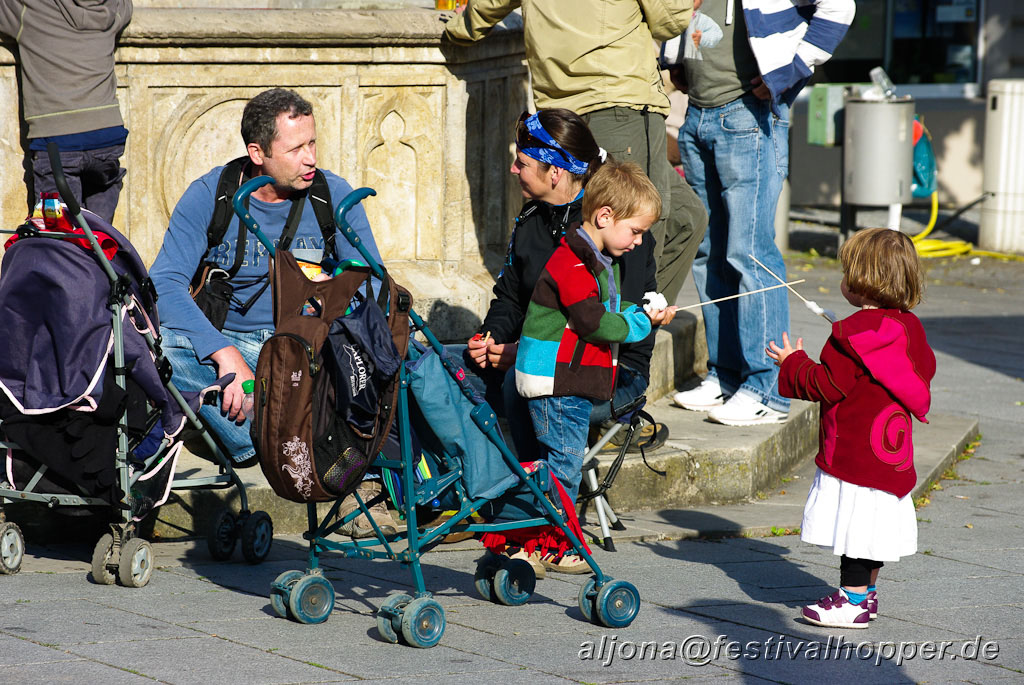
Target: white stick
(733, 297)
(777, 277)
(813, 306)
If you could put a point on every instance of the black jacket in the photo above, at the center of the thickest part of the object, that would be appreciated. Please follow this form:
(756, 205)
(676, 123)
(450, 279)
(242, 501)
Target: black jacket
(538, 229)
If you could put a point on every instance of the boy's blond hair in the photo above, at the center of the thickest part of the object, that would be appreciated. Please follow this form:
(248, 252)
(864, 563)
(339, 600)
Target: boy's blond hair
(882, 265)
(625, 188)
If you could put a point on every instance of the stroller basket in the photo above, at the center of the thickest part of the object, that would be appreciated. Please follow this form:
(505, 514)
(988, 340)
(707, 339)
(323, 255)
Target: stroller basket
(450, 455)
(91, 417)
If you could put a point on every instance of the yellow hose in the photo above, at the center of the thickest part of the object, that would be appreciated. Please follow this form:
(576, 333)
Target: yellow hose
(949, 248)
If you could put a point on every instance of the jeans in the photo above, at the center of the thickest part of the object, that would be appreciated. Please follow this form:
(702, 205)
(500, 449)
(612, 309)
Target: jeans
(561, 425)
(631, 136)
(736, 157)
(629, 385)
(192, 374)
(93, 175)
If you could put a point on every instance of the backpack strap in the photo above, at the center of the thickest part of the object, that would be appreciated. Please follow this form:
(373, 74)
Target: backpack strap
(320, 198)
(227, 184)
(319, 195)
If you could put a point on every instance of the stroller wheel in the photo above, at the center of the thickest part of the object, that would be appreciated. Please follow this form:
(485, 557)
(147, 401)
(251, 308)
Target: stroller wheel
(586, 599)
(389, 617)
(514, 582)
(311, 599)
(136, 565)
(257, 536)
(280, 589)
(222, 536)
(617, 604)
(483, 579)
(423, 622)
(12, 548)
(102, 558)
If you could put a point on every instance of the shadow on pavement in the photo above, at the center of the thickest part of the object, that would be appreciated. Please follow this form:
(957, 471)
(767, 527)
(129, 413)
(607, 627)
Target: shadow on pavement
(992, 342)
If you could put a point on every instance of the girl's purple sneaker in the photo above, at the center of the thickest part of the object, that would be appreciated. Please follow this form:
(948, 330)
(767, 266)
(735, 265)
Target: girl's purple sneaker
(836, 611)
(872, 602)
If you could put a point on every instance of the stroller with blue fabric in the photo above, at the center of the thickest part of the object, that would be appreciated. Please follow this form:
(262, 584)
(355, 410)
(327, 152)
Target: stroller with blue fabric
(90, 417)
(449, 456)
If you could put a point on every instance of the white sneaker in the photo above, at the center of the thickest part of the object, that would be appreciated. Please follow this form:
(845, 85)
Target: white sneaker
(705, 396)
(744, 410)
(836, 611)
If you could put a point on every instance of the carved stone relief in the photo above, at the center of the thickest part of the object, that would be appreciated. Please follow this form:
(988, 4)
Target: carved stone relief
(402, 160)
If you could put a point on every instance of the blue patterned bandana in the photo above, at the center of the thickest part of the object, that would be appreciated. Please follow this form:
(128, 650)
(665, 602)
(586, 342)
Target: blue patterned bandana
(553, 154)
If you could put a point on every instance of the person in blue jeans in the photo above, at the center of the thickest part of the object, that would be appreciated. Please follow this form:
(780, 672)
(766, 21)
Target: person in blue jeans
(279, 132)
(734, 146)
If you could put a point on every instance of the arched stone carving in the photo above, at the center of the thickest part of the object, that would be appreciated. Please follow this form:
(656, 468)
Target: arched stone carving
(202, 132)
(391, 171)
(402, 160)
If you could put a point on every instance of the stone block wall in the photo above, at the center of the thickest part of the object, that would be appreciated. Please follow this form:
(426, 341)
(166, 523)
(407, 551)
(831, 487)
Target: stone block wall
(426, 124)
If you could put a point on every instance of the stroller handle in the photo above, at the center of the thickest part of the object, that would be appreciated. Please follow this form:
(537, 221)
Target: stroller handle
(238, 204)
(340, 212)
(53, 152)
(75, 209)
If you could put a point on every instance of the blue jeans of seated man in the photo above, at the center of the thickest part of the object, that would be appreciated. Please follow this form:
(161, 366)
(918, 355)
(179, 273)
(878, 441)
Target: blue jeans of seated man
(736, 157)
(561, 425)
(192, 374)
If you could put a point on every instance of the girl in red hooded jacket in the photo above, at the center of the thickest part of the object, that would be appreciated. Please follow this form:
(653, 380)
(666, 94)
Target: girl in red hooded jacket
(874, 375)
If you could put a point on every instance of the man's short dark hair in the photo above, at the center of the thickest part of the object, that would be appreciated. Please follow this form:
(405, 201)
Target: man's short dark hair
(259, 119)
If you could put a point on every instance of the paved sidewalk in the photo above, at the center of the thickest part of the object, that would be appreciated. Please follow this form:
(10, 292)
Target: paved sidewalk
(200, 622)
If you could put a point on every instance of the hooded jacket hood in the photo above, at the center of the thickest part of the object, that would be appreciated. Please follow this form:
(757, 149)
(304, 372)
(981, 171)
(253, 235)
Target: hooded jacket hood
(885, 341)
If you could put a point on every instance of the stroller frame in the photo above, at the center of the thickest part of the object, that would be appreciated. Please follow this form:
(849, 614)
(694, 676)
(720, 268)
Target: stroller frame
(120, 554)
(308, 597)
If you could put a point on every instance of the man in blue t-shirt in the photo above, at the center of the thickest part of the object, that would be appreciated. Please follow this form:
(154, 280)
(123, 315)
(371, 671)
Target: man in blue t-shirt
(280, 139)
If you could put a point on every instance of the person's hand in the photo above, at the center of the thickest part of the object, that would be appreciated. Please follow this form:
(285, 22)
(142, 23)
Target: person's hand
(677, 75)
(660, 317)
(761, 90)
(696, 37)
(779, 354)
(502, 357)
(697, 4)
(477, 350)
(229, 360)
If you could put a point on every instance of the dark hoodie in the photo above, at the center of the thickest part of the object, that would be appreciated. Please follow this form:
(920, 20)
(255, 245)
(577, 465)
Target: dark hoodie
(66, 56)
(875, 373)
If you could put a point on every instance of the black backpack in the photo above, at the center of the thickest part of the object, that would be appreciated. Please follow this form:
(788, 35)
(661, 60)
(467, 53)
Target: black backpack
(211, 285)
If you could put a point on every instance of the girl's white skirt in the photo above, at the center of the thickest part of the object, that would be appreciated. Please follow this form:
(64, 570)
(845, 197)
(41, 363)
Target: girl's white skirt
(860, 522)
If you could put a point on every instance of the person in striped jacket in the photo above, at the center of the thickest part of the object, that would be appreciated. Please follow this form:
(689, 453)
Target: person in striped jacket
(576, 317)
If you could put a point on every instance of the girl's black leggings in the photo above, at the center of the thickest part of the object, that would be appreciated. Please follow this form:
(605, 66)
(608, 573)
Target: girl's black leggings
(856, 572)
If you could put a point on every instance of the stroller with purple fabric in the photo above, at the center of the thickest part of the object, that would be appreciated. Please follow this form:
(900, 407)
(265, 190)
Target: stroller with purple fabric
(89, 416)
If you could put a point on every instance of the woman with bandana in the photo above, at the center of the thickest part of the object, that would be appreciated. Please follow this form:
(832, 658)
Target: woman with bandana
(555, 156)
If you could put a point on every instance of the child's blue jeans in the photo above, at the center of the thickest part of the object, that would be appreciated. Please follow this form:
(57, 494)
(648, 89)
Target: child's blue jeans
(561, 425)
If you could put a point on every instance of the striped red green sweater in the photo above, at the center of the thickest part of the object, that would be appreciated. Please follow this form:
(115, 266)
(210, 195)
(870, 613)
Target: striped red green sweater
(569, 343)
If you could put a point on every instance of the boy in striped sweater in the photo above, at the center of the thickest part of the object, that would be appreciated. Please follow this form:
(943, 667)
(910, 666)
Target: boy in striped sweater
(576, 318)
